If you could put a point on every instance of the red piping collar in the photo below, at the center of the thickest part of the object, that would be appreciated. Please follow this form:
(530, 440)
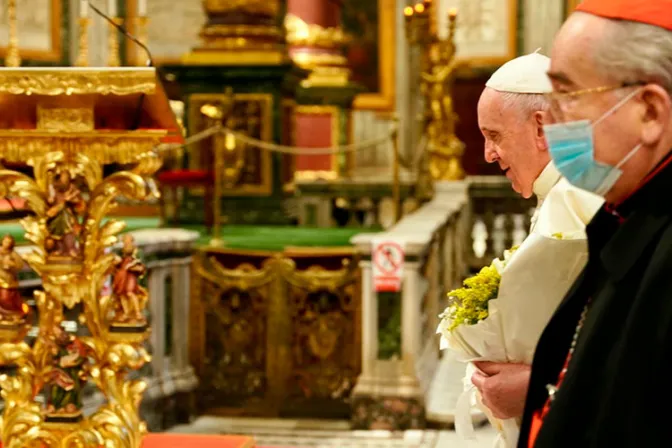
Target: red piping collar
(612, 208)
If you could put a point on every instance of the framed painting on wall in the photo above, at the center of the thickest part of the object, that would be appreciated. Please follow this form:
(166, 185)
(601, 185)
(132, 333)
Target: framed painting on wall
(172, 28)
(486, 31)
(372, 25)
(39, 28)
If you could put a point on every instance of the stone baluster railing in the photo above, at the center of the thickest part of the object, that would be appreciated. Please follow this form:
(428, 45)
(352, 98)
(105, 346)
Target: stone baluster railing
(399, 346)
(366, 203)
(500, 218)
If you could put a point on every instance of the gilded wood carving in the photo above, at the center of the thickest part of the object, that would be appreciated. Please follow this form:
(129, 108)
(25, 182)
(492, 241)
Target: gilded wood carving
(272, 335)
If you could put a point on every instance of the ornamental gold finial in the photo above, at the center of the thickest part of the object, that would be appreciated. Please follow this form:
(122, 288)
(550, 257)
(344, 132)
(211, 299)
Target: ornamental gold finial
(13, 58)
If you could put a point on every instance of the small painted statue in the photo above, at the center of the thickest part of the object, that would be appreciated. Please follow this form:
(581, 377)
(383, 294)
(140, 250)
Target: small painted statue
(65, 206)
(126, 285)
(68, 375)
(12, 308)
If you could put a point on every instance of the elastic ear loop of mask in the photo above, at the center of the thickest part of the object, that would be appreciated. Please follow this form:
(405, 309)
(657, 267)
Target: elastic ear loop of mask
(628, 157)
(617, 106)
(607, 114)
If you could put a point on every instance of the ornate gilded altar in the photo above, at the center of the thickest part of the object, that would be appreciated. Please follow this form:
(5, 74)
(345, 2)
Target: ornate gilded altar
(65, 125)
(241, 78)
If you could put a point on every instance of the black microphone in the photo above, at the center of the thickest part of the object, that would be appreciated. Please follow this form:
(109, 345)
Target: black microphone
(122, 30)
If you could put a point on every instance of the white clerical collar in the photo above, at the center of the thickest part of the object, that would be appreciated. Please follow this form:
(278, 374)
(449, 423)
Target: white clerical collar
(546, 180)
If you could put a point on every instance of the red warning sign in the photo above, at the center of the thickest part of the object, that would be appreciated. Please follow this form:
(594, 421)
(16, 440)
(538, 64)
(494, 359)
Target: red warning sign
(388, 266)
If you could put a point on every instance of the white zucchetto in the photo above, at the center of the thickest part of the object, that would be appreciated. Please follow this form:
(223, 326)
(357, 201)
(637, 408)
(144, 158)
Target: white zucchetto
(525, 74)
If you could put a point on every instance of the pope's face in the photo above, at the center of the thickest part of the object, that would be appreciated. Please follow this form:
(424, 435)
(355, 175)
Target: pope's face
(573, 68)
(514, 140)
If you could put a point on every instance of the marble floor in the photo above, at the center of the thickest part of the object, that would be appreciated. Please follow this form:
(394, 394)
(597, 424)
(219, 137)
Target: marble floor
(285, 433)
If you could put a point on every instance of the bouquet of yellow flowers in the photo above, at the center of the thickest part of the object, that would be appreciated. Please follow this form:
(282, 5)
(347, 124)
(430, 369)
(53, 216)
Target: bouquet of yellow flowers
(470, 304)
(500, 312)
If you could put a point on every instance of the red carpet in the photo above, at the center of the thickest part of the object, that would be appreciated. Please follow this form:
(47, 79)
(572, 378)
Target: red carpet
(196, 441)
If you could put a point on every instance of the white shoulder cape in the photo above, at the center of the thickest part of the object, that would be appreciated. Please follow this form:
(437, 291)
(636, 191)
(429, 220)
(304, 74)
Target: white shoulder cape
(533, 284)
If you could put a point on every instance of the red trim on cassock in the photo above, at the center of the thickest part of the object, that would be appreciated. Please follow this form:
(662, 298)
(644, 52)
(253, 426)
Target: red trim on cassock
(646, 180)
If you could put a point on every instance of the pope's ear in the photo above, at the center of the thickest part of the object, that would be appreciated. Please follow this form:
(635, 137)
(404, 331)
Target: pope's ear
(656, 114)
(540, 118)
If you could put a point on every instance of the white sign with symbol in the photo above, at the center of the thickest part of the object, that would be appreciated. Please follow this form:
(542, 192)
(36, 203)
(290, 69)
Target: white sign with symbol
(388, 265)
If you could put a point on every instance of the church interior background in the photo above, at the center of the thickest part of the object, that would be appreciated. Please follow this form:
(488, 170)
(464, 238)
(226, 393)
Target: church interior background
(259, 152)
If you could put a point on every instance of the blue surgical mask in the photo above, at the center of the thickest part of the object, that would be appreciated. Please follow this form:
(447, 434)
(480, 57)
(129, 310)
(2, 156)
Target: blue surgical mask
(571, 146)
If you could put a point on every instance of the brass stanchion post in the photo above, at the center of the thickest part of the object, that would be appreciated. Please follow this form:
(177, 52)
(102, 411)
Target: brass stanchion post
(217, 199)
(396, 186)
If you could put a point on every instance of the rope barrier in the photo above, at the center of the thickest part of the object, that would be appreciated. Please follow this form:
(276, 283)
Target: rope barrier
(293, 150)
(267, 146)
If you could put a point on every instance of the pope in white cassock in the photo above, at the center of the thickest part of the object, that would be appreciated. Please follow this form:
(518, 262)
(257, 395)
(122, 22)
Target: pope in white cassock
(511, 115)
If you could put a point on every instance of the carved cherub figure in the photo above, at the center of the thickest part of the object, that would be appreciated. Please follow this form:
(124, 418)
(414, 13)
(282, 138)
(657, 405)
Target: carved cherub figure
(126, 284)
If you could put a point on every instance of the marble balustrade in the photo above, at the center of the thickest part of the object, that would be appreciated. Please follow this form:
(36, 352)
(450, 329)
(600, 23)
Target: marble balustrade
(393, 387)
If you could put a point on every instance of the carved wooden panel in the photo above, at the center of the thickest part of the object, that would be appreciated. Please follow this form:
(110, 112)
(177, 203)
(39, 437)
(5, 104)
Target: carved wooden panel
(234, 307)
(325, 357)
(272, 335)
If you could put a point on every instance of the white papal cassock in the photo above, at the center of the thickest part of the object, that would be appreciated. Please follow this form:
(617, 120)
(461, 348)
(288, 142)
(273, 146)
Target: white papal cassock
(533, 283)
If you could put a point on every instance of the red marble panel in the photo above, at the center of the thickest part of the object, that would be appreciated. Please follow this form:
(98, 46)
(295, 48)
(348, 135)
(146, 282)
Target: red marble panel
(326, 13)
(314, 130)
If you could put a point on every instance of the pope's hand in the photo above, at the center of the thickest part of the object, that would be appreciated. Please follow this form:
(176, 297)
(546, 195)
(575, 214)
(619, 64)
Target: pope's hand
(503, 387)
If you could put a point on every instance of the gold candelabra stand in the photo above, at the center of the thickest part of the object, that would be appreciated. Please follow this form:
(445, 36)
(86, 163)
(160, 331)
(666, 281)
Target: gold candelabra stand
(12, 59)
(70, 198)
(141, 23)
(83, 55)
(438, 66)
(113, 59)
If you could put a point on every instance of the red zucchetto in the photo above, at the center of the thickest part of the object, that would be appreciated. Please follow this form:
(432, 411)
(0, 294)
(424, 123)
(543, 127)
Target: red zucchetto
(652, 12)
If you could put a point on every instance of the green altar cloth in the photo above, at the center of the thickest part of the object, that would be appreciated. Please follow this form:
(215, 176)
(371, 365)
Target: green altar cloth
(268, 238)
(277, 238)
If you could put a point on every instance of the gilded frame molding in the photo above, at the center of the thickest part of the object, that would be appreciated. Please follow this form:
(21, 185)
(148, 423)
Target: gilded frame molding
(387, 44)
(55, 54)
(266, 186)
